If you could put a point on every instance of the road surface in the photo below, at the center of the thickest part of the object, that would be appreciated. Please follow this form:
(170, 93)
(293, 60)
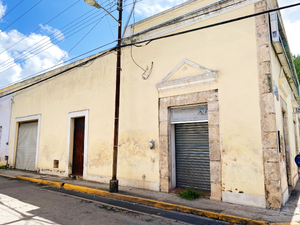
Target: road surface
(24, 202)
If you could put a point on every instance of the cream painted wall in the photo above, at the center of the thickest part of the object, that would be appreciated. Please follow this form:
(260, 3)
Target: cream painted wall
(276, 70)
(237, 84)
(5, 113)
(90, 87)
(229, 49)
(286, 95)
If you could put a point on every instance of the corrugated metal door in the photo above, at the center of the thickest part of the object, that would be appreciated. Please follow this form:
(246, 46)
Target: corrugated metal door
(26, 146)
(192, 155)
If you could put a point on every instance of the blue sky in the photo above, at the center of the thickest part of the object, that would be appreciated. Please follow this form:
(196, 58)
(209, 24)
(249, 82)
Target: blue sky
(59, 37)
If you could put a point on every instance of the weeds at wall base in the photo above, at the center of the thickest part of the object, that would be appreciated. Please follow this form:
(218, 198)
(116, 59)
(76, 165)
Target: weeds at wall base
(190, 194)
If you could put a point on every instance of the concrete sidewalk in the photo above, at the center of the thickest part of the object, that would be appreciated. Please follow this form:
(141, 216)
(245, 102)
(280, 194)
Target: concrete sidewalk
(230, 212)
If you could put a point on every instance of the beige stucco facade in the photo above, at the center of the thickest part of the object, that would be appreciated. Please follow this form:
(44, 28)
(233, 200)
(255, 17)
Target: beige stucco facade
(223, 67)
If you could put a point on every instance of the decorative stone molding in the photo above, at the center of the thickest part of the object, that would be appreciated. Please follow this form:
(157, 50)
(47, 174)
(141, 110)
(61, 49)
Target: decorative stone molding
(267, 110)
(208, 77)
(283, 104)
(211, 99)
(190, 18)
(284, 87)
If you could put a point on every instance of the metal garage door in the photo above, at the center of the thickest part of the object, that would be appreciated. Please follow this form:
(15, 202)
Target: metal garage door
(26, 146)
(192, 155)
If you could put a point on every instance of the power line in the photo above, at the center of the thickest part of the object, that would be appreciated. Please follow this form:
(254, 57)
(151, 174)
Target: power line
(41, 27)
(81, 39)
(11, 10)
(209, 26)
(21, 16)
(56, 32)
(49, 69)
(165, 24)
(12, 61)
(167, 36)
(144, 76)
(43, 46)
(55, 75)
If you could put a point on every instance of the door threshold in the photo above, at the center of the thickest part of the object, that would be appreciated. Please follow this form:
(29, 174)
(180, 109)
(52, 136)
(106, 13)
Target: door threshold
(76, 176)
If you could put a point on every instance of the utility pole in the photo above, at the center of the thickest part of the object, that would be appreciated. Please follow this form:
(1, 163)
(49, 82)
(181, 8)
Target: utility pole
(114, 183)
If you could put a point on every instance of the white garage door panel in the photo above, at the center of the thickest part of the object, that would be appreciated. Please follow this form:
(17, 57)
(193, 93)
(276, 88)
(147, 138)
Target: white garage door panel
(26, 146)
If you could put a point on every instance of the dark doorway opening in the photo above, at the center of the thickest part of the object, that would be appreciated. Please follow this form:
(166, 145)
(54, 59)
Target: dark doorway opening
(78, 146)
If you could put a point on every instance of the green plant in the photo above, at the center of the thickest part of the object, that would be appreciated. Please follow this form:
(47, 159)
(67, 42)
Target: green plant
(3, 167)
(190, 194)
(297, 64)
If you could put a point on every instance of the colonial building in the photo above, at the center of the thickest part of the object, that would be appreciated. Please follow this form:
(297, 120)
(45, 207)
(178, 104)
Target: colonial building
(5, 113)
(215, 105)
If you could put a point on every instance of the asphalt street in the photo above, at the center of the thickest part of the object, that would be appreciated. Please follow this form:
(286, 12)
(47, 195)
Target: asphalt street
(23, 202)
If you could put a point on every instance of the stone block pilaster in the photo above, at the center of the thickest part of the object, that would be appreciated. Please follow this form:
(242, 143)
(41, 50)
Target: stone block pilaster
(267, 110)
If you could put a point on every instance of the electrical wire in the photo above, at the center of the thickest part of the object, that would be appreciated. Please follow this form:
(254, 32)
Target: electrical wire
(21, 16)
(165, 24)
(158, 38)
(13, 62)
(40, 27)
(46, 39)
(80, 40)
(53, 67)
(55, 75)
(11, 10)
(107, 21)
(144, 76)
(132, 11)
(43, 46)
(211, 25)
(31, 55)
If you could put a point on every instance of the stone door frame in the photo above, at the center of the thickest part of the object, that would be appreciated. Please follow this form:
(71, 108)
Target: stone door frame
(205, 97)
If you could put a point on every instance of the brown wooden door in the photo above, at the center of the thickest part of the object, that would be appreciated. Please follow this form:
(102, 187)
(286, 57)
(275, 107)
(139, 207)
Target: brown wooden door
(78, 146)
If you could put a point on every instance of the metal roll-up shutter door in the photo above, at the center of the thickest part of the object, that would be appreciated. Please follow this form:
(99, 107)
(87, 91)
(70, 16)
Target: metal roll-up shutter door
(26, 146)
(192, 155)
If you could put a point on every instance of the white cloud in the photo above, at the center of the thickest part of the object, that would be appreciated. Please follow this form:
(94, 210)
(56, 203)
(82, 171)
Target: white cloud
(148, 8)
(43, 55)
(291, 20)
(56, 32)
(2, 9)
(13, 57)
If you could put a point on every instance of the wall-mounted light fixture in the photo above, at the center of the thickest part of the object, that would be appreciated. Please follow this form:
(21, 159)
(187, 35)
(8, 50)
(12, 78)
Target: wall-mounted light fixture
(152, 144)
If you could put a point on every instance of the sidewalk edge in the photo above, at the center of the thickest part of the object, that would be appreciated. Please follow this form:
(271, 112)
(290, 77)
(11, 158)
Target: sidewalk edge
(46, 182)
(164, 205)
(3, 175)
(148, 202)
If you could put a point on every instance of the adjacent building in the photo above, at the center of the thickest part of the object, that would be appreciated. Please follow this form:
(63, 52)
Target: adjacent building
(5, 113)
(212, 109)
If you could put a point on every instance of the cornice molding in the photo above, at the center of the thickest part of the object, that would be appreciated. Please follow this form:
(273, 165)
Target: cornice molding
(152, 32)
(207, 78)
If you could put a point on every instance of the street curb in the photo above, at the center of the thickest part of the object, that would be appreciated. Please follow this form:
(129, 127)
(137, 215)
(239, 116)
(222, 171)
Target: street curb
(291, 223)
(2, 175)
(149, 202)
(46, 182)
(164, 205)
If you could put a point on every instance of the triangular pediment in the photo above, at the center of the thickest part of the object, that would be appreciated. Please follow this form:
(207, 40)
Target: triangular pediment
(185, 74)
